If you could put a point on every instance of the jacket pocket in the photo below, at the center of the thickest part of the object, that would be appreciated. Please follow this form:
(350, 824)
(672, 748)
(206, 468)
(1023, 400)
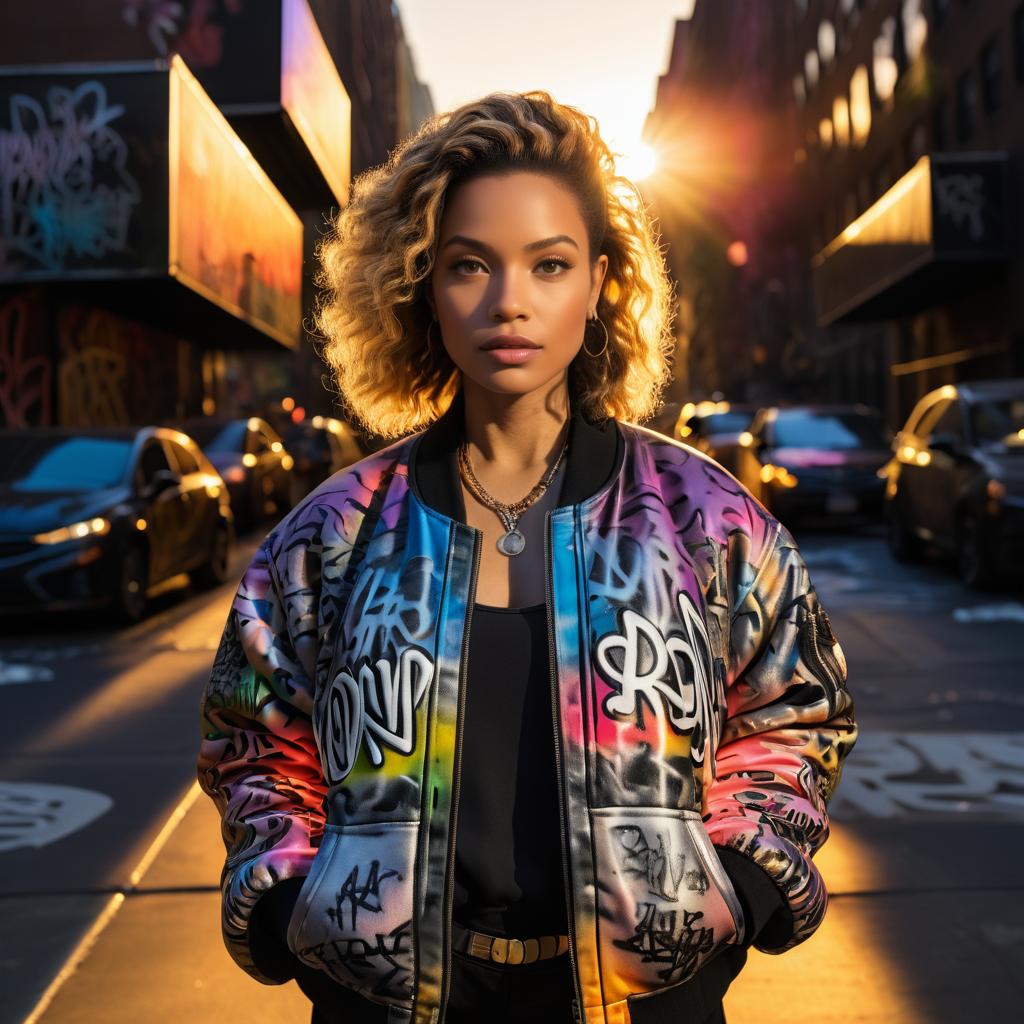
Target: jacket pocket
(353, 919)
(665, 904)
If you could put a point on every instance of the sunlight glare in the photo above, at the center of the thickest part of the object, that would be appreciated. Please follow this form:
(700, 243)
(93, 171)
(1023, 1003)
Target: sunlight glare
(638, 162)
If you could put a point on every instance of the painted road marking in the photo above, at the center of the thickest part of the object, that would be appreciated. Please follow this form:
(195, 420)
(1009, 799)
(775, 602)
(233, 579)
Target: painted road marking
(13, 674)
(1007, 611)
(35, 814)
(899, 775)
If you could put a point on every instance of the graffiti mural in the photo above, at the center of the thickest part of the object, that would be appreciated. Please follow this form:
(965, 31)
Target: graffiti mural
(65, 189)
(112, 370)
(24, 368)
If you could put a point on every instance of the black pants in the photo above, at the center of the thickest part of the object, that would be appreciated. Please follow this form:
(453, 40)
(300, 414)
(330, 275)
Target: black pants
(538, 993)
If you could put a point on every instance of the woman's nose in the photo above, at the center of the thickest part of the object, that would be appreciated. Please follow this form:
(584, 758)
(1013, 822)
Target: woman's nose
(508, 302)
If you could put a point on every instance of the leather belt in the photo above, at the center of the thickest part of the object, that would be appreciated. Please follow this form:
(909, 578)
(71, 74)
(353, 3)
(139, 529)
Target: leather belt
(503, 950)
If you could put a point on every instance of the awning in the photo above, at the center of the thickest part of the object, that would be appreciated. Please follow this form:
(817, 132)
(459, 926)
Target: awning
(933, 235)
(129, 178)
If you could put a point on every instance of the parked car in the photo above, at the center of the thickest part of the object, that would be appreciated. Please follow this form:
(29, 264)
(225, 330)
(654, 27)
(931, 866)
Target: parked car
(956, 479)
(93, 517)
(320, 447)
(251, 457)
(714, 428)
(815, 460)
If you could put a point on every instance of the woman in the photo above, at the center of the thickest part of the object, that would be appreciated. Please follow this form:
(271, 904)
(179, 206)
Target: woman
(534, 713)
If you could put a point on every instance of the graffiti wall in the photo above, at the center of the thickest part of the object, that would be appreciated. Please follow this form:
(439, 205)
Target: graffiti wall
(68, 364)
(26, 380)
(82, 174)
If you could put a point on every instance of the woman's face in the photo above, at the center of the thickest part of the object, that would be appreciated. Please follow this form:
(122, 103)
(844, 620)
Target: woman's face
(513, 282)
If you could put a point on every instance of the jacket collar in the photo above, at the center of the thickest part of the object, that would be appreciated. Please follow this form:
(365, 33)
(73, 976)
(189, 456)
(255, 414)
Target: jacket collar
(592, 459)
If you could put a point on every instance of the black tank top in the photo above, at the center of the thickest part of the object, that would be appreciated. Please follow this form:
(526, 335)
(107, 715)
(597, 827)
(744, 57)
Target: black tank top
(508, 860)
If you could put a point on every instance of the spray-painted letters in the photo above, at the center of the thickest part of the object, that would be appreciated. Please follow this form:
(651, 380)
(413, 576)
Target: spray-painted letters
(671, 676)
(374, 705)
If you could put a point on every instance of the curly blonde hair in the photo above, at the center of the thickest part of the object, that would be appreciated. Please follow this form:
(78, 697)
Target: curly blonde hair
(373, 314)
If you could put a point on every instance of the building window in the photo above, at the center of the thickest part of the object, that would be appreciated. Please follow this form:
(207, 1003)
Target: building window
(885, 67)
(1018, 42)
(826, 42)
(991, 76)
(860, 105)
(966, 106)
(811, 69)
(940, 12)
(915, 28)
(799, 90)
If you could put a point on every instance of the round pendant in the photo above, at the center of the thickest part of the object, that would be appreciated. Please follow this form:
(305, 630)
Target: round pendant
(511, 543)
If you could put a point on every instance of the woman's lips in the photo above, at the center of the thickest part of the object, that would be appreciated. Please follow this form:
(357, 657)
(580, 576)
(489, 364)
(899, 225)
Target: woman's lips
(511, 356)
(511, 350)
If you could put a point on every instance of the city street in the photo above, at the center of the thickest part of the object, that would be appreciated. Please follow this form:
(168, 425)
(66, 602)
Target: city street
(922, 866)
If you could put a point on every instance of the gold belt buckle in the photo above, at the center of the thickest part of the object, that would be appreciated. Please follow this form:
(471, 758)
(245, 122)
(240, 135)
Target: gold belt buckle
(502, 950)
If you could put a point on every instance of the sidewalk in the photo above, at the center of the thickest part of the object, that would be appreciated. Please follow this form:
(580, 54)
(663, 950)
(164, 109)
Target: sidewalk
(906, 948)
(161, 959)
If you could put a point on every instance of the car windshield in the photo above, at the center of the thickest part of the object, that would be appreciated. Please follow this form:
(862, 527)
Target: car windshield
(218, 436)
(64, 463)
(830, 431)
(732, 422)
(999, 421)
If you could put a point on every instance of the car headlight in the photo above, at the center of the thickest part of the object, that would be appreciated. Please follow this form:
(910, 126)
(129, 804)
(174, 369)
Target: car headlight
(777, 474)
(76, 531)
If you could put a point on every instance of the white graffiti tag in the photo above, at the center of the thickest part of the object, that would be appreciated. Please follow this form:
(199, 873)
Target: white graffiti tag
(375, 706)
(65, 190)
(672, 677)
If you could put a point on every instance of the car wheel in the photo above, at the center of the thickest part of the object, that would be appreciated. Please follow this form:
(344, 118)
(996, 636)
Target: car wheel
(904, 545)
(214, 571)
(973, 559)
(129, 603)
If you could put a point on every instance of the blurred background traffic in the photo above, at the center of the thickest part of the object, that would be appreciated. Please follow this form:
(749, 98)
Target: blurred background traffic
(837, 184)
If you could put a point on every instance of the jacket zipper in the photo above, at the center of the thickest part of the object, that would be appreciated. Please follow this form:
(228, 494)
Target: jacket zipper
(456, 764)
(549, 598)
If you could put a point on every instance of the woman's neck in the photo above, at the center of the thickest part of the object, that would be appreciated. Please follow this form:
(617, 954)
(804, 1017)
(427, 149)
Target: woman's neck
(518, 433)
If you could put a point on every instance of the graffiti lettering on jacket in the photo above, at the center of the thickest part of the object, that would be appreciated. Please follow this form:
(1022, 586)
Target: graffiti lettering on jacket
(361, 895)
(387, 960)
(656, 940)
(670, 676)
(374, 705)
(663, 871)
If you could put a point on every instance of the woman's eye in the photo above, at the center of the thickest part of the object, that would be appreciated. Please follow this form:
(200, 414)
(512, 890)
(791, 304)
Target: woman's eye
(469, 265)
(552, 267)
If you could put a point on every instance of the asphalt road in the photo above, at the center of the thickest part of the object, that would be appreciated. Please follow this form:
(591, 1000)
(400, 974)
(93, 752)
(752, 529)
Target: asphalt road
(102, 729)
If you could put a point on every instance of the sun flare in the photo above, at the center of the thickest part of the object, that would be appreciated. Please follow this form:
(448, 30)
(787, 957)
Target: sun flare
(638, 162)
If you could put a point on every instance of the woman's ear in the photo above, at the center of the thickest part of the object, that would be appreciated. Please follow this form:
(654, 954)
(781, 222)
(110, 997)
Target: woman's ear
(598, 270)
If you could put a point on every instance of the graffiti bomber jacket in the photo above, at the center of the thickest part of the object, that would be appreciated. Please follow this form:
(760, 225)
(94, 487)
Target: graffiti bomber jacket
(698, 700)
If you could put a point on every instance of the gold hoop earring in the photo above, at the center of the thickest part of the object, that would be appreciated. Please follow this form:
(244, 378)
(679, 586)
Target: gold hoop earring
(604, 347)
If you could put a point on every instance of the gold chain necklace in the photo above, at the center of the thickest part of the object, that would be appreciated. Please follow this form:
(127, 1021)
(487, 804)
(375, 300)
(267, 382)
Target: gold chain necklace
(511, 542)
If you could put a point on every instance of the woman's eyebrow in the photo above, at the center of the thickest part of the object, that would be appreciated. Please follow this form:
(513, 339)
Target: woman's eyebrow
(475, 243)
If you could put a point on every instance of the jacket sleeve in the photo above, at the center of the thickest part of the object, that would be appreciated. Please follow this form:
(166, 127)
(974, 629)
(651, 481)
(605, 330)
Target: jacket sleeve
(789, 725)
(258, 759)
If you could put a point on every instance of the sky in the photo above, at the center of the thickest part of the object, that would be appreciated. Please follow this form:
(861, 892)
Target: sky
(603, 56)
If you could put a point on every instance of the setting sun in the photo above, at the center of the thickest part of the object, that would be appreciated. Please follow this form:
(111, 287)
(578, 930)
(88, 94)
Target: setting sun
(639, 161)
